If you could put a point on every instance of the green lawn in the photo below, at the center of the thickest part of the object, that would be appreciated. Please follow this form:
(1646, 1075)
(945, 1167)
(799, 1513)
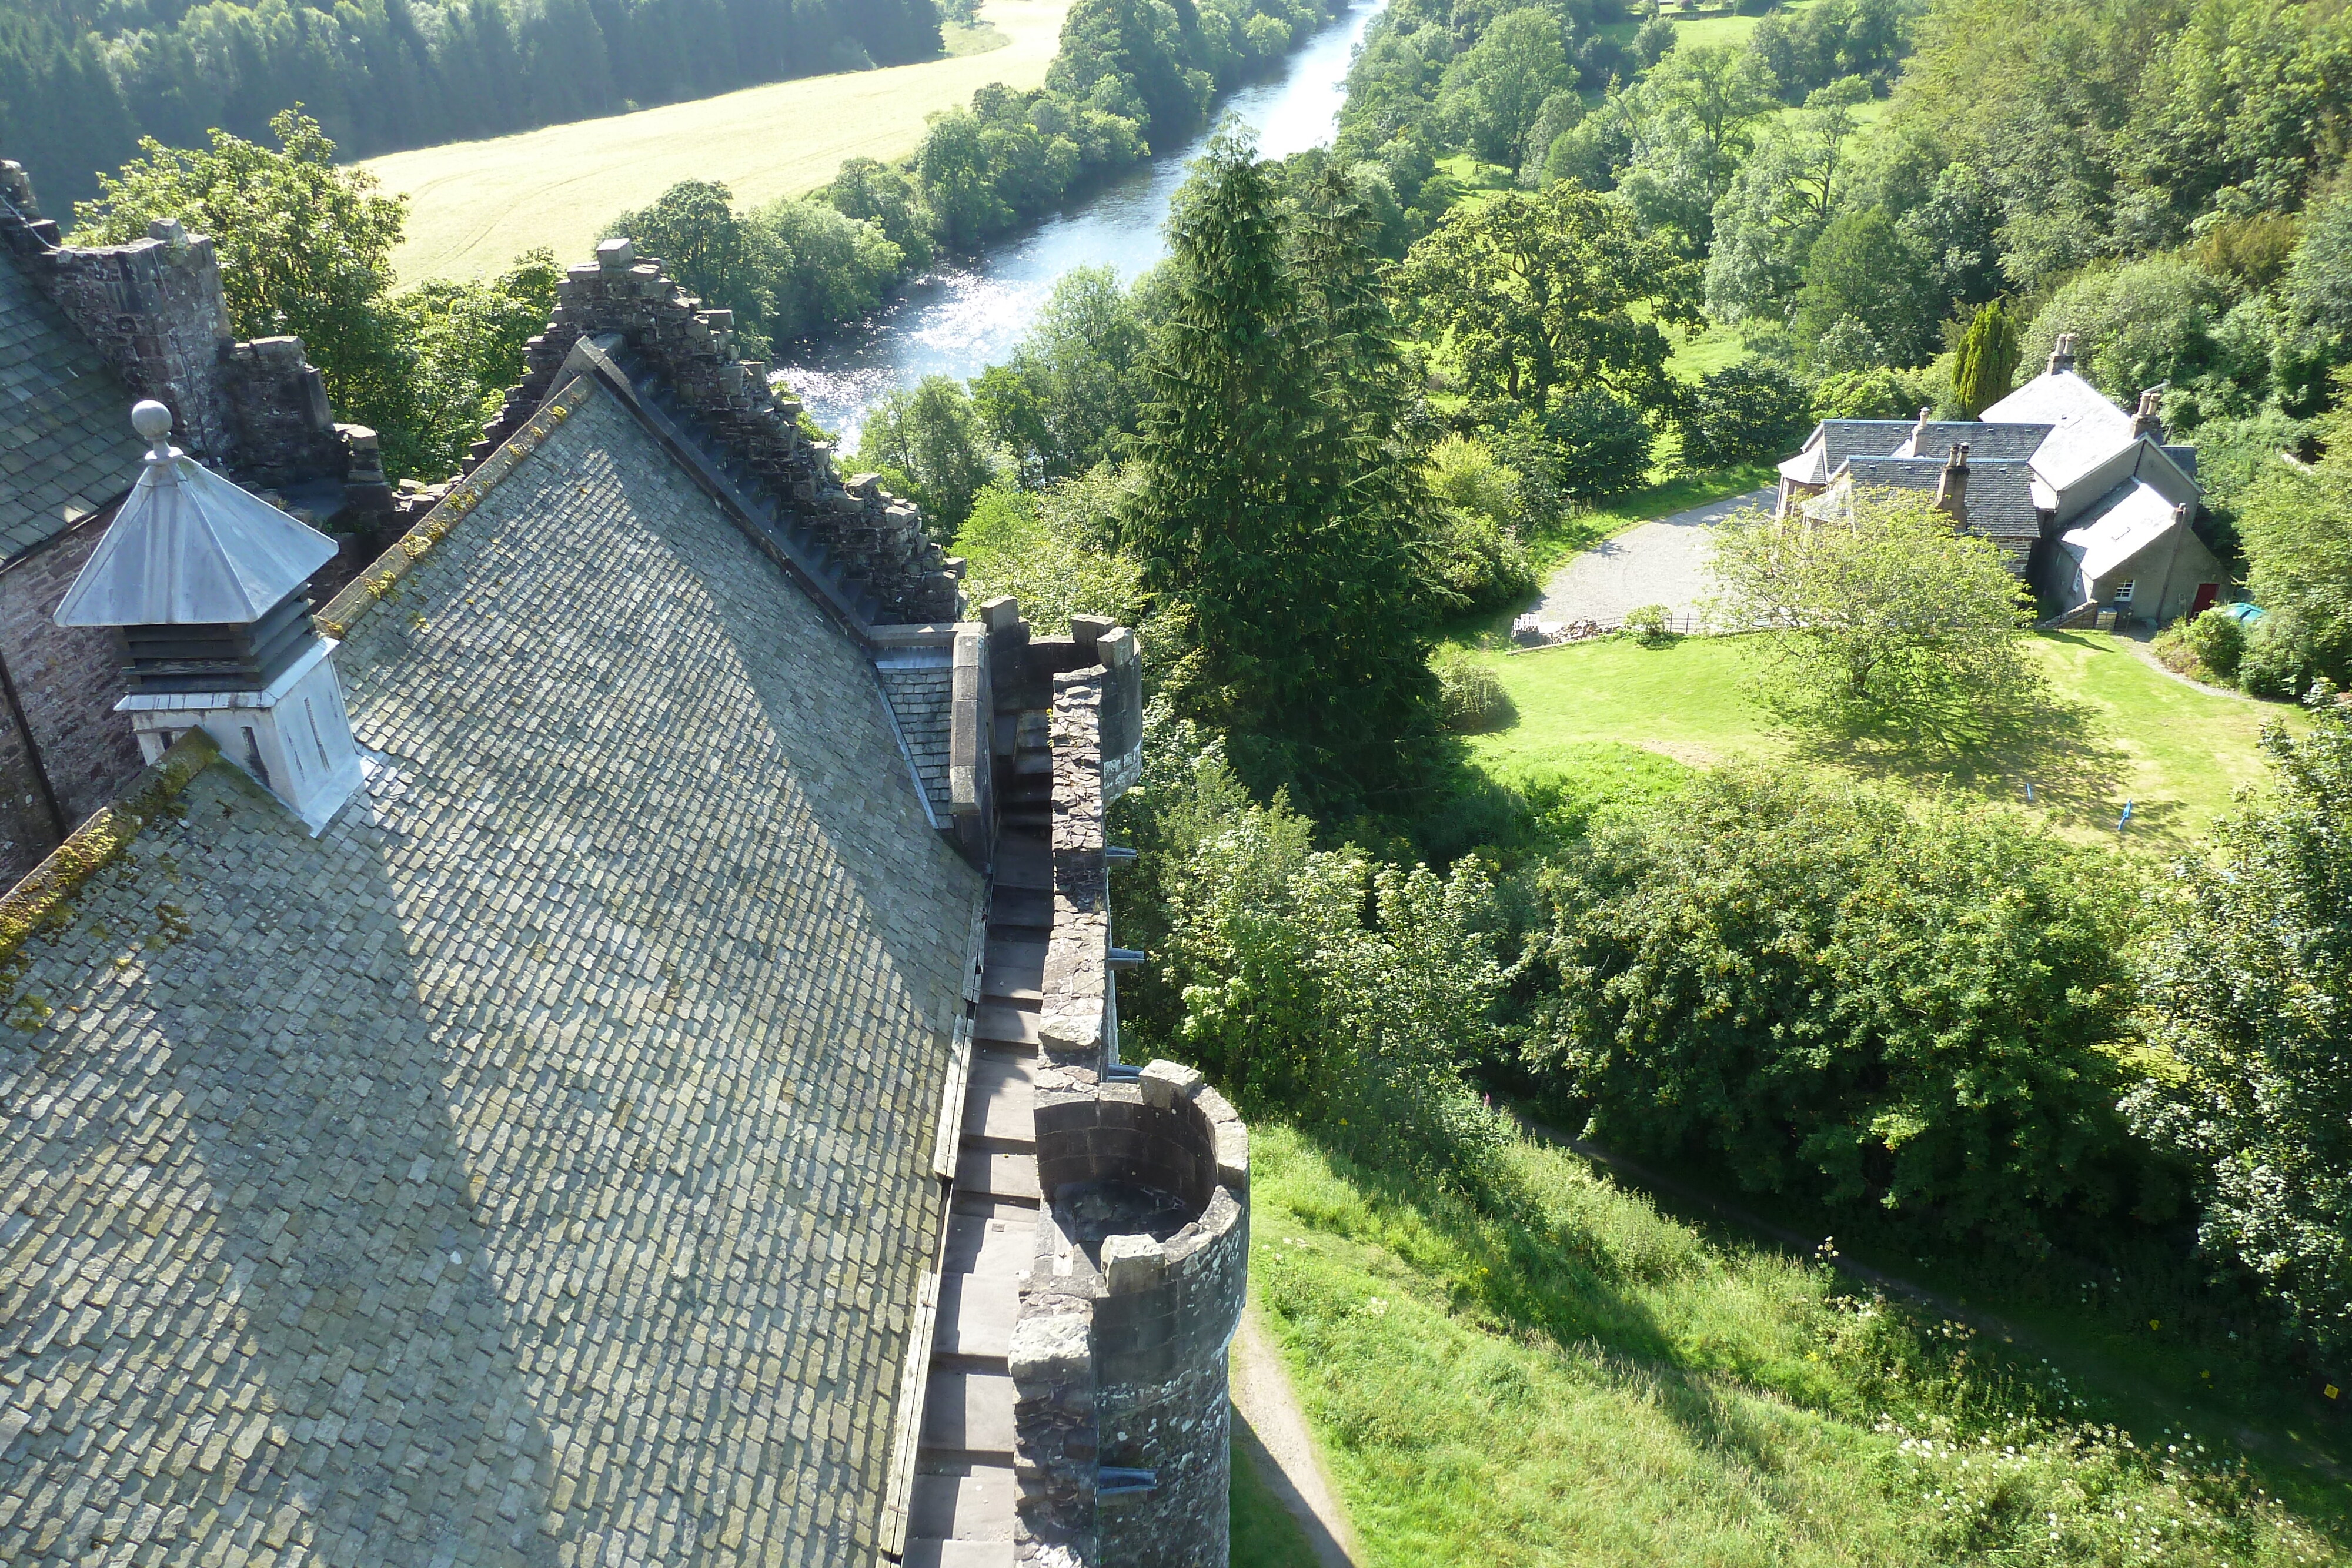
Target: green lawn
(1263, 1533)
(1567, 1374)
(2174, 752)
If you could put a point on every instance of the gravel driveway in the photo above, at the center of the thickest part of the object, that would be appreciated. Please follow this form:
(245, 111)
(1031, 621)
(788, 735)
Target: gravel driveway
(1663, 562)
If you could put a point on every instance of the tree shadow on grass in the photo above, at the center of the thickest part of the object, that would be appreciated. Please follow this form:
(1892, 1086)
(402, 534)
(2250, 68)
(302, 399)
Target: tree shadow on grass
(2031, 748)
(1524, 1276)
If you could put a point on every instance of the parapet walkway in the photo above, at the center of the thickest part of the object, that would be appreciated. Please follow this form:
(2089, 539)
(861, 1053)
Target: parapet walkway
(962, 1512)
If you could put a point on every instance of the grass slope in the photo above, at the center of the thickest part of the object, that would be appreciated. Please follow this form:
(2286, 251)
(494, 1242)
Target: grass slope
(1591, 1381)
(2174, 752)
(473, 205)
(1263, 1533)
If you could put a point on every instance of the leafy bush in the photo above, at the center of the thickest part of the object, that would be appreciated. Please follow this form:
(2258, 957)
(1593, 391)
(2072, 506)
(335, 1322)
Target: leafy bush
(2281, 656)
(1742, 413)
(1603, 441)
(1647, 621)
(1846, 998)
(1052, 551)
(1464, 471)
(1863, 394)
(2250, 992)
(1476, 563)
(1470, 696)
(2299, 562)
(2217, 639)
(1306, 982)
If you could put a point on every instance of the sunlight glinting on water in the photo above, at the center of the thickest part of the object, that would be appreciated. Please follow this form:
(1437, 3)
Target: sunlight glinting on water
(960, 319)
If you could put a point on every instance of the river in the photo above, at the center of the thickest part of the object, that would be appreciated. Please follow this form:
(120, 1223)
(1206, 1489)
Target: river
(959, 319)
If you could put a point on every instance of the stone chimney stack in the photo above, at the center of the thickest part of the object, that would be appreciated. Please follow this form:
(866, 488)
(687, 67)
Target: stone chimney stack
(206, 582)
(1920, 431)
(1952, 486)
(2148, 420)
(2062, 358)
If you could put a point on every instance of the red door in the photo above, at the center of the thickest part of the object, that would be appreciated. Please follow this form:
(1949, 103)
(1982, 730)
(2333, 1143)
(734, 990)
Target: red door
(2204, 600)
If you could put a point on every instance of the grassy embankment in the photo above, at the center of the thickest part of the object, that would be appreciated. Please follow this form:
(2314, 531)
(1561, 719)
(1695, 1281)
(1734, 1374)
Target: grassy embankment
(474, 206)
(2125, 732)
(1591, 1380)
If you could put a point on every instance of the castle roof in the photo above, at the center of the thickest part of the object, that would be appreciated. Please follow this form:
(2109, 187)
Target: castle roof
(537, 1163)
(65, 450)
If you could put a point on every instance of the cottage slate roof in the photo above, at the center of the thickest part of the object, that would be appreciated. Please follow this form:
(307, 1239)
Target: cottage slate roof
(1986, 441)
(1999, 495)
(2119, 525)
(2085, 428)
(64, 449)
(534, 1167)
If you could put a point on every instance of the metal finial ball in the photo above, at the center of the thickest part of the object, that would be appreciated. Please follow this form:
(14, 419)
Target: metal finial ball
(151, 419)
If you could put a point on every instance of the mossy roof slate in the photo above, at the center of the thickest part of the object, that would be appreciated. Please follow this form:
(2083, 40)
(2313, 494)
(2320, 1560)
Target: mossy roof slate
(534, 1167)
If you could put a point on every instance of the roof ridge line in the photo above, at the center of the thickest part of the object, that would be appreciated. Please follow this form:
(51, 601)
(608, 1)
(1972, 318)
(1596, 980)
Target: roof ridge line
(94, 845)
(371, 587)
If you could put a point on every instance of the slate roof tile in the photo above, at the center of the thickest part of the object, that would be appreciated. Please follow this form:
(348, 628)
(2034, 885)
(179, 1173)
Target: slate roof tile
(534, 1167)
(68, 442)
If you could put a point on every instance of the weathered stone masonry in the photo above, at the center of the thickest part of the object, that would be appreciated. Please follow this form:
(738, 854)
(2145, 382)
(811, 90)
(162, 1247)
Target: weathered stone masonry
(1119, 1356)
(875, 541)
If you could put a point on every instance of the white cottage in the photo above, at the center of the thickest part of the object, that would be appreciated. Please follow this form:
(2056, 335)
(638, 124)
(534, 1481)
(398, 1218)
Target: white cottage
(2094, 506)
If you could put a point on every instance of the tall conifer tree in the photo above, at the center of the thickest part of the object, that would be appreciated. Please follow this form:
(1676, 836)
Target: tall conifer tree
(1274, 512)
(1987, 360)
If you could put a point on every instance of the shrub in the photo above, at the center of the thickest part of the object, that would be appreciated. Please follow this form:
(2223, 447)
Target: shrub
(1862, 394)
(1647, 621)
(1847, 998)
(1308, 982)
(1476, 563)
(1742, 413)
(1470, 695)
(1603, 441)
(2281, 657)
(2217, 639)
(2249, 987)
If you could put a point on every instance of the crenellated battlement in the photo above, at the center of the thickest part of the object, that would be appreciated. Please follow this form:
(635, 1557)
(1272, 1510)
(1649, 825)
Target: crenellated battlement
(875, 540)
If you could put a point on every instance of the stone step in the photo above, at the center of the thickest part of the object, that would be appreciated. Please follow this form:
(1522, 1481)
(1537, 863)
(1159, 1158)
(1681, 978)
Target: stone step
(968, 1413)
(1027, 862)
(976, 1313)
(976, 1503)
(1001, 1103)
(992, 1021)
(1027, 906)
(999, 1244)
(1031, 762)
(925, 1554)
(1015, 974)
(999, 1173)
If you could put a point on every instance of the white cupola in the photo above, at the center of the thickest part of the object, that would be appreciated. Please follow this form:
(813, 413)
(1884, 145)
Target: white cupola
(206, 581)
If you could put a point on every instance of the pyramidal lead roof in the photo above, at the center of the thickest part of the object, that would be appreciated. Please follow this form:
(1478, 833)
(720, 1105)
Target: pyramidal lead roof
(188, 548)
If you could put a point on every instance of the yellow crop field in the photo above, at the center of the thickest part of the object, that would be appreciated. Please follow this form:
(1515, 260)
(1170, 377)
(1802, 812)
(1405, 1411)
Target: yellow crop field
(473, 205)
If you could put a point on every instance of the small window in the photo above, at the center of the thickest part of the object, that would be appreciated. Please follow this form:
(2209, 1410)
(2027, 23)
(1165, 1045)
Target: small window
(2122, 594)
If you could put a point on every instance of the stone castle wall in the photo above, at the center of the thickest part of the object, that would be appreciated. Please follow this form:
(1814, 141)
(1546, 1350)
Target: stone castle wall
(878, 538)
(64, 681)
(1118, 1356)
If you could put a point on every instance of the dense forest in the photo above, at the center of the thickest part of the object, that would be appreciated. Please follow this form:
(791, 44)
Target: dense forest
(81, 81)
